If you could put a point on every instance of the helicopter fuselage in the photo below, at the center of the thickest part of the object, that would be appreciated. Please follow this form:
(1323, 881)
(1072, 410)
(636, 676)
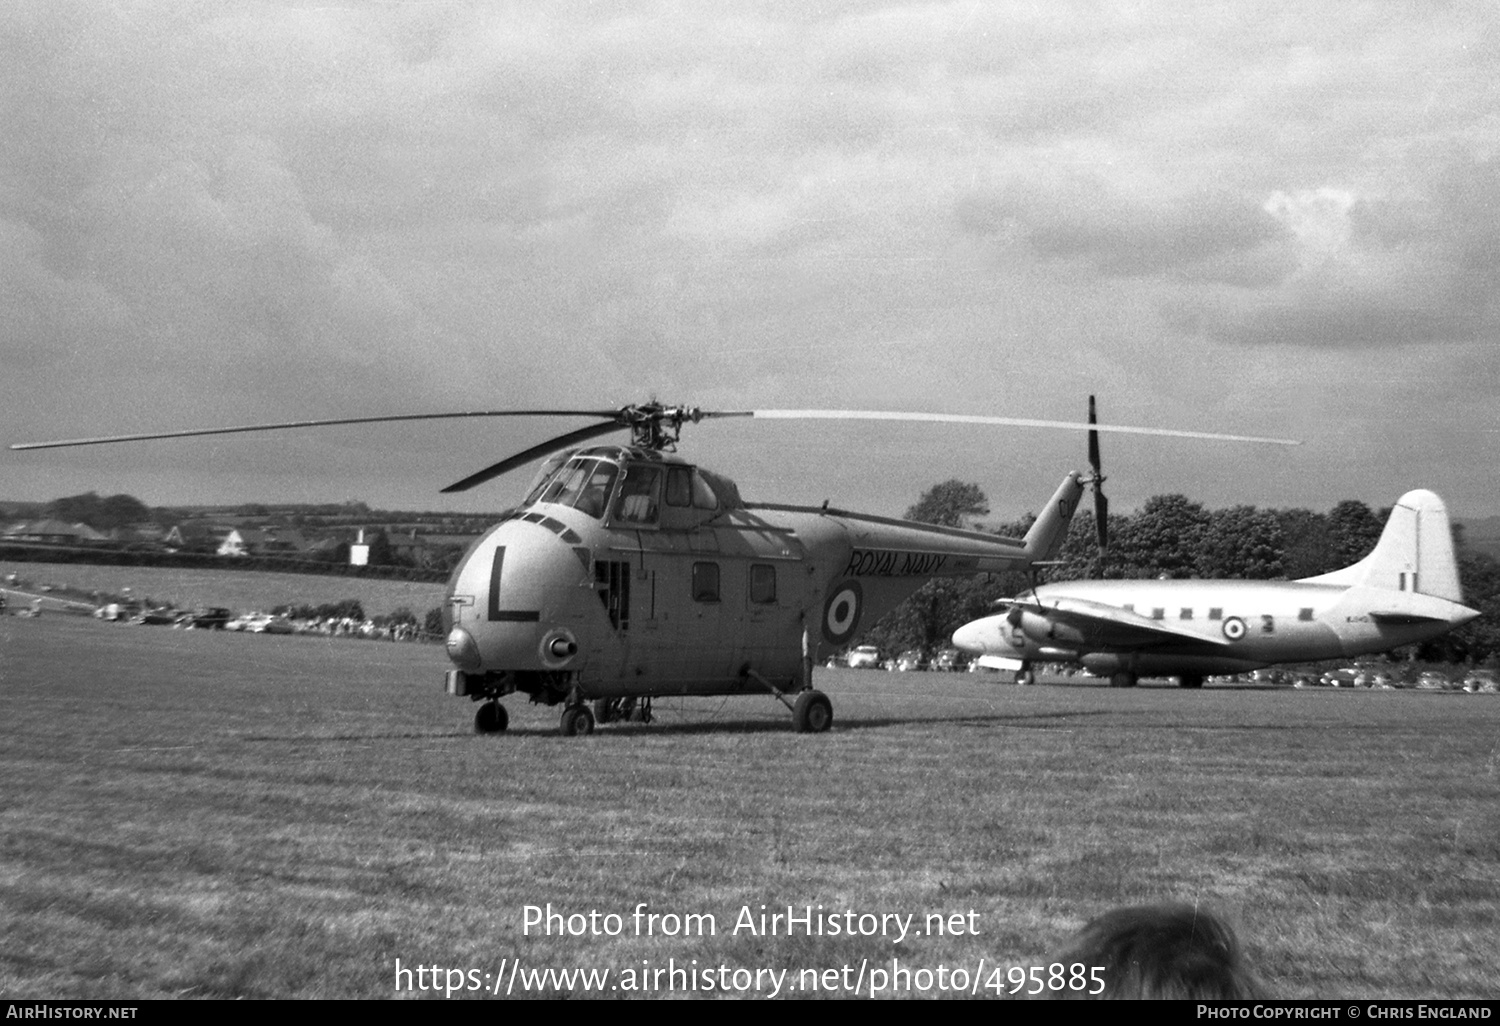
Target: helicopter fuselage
(629, 573)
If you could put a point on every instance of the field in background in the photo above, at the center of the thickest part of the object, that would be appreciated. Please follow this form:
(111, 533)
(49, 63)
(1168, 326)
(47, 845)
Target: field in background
(240, 590)
(208, 814)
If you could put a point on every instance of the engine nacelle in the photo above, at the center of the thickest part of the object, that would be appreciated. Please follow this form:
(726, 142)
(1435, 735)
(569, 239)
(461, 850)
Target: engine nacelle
(1044, 631)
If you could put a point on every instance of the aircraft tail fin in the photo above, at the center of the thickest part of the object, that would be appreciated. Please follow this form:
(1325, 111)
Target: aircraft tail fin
(1414, 553)
(1045, 539)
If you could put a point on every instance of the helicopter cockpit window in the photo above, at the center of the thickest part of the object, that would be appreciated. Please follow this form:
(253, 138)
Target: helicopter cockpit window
(595, 495)
(582, 483)
(639, 495)
(544, 479)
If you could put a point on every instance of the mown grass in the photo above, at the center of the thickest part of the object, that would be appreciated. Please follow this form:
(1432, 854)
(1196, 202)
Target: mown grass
(199, 814)
(240, 590)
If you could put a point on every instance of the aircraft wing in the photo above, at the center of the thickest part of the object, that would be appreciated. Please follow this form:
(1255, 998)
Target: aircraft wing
(1102, 626)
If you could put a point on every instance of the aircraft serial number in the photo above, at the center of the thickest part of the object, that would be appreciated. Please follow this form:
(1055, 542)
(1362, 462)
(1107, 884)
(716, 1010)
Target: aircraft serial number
(877, 563)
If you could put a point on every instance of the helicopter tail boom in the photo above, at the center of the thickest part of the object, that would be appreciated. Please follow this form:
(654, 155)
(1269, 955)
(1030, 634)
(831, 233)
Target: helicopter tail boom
(1045, 539)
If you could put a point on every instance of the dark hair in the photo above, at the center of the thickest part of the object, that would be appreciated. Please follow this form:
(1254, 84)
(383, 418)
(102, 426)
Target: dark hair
(1160, 951)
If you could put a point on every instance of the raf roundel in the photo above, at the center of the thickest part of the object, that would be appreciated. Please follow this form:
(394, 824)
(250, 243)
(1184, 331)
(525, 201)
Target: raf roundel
(841, 612)
(1234, 628)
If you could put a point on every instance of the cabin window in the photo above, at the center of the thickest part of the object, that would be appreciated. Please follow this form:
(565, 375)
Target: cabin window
(1268, 625)
(640, 494)
(1305, 613)
(1158, 613)
(705, 582)
(679, 486)
(1187, 614)
(703, 493)
(1215, 613)
(762, 584)
(1129, 607)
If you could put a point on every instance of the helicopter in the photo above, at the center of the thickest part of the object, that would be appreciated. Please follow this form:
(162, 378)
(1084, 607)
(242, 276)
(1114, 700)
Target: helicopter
(629, 573)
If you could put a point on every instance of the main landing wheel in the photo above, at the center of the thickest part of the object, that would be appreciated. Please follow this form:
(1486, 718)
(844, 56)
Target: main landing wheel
(606, 710)
(491, 718)
(576, 719)
(1190, 681)
(813, 713)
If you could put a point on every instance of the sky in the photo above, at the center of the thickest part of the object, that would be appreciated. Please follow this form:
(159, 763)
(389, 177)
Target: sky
(1243, 217)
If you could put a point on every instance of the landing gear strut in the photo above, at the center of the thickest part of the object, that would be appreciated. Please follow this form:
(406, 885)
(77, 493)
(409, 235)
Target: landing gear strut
(1190, 680)
(1122, 679)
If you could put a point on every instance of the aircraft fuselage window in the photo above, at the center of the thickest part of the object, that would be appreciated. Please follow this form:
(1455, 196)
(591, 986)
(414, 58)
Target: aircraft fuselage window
(1305, 613)
(640, 495)
(1158, 613)
(1187, 614)
(1268, 625)
(705, 582)
(1216, 613)
(762, 584)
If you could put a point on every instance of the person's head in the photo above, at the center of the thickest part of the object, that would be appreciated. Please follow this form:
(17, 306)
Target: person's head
(1160, 951)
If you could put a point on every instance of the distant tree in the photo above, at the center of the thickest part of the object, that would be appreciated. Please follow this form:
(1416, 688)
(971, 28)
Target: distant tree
(380, 550)
(1163, 539)
(1353, 531)
(104, 514)
(1242, 542)
(432, 623)
(1304, 545)
(953, 503)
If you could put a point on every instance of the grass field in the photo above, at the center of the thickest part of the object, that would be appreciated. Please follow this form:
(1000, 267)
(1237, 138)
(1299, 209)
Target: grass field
(214, 815)
(240, 590)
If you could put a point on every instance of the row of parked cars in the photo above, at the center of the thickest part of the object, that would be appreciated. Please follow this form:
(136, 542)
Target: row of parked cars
(1476, 681)
(868, 657)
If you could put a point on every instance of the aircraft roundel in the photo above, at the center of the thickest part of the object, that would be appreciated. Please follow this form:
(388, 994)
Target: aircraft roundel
(1234, 628)
(841, 612)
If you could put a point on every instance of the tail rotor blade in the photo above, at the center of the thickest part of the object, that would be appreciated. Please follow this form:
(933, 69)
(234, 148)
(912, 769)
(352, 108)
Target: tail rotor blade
(1101, 520)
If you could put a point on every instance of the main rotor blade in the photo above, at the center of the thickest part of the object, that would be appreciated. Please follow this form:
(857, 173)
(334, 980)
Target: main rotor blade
(952, 418)
(510, 463)
(286, 425)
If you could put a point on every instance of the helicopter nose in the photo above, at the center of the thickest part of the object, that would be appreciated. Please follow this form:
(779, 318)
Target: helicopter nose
(971, 636)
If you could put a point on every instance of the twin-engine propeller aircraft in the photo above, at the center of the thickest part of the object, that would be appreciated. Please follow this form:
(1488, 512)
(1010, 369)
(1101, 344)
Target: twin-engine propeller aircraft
(1403, 592)
(629, 573)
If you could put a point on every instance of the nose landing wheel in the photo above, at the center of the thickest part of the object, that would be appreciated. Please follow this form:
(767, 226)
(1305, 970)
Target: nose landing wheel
(491, 718)
(577, 719)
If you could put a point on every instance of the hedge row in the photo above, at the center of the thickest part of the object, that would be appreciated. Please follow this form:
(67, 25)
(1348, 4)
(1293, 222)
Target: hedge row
(43, 553)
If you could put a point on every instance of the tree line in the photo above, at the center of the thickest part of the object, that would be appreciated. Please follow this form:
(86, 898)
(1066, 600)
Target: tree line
(1173, 536)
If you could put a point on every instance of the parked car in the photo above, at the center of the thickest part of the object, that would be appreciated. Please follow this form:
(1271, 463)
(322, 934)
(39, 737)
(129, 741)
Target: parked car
(1432, 680)
(210, 618)
(950, 660)
(864, 657)
(1481, 681)
(1344, 678)
(911, 659)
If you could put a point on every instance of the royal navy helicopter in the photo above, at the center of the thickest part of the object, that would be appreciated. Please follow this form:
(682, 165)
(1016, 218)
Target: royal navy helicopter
(629, 573)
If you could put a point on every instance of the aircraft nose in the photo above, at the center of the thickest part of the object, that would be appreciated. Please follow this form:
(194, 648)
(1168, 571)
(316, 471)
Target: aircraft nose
(970, 637)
